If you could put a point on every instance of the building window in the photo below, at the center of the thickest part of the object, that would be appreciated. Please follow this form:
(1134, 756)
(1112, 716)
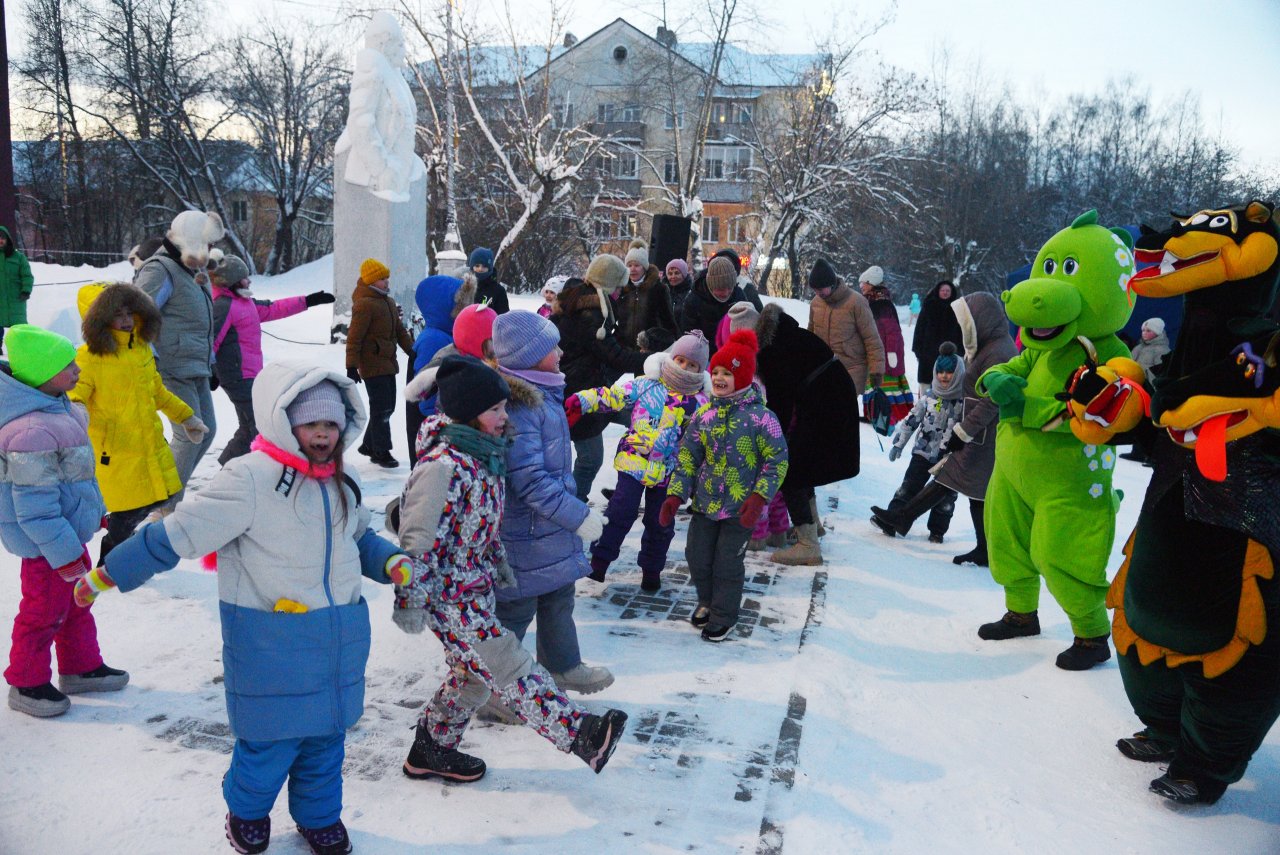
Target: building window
(710, 229)
(673, 120)
(562, 114)
(631, 113)
(619, 163)
(739, 230)
(731, 112)
(604, 112)
(240, 211)
(669, 174)
(737, 163)
(713, 164)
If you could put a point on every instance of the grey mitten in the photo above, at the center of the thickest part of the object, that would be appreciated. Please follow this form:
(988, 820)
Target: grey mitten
(410, 609)
(895, 452)
(504, 576)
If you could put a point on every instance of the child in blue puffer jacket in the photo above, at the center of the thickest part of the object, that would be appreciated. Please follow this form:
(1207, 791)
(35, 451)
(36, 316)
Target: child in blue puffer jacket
(674, 385)
(292, 541)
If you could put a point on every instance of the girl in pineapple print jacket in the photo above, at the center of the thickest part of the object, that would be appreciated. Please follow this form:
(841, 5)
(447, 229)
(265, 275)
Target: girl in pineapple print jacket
(673, 387)
(450, 511)
(732, 459)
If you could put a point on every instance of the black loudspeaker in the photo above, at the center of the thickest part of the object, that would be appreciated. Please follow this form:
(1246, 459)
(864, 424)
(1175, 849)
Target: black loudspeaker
(669, 239)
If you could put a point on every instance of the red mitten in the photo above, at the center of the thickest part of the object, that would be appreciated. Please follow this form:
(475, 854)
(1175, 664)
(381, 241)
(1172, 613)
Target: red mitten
(752, 508)
(573, 409)
(73, 570)
(667, 514)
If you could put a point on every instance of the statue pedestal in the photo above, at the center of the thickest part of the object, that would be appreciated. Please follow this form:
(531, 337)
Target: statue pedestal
(366, 226)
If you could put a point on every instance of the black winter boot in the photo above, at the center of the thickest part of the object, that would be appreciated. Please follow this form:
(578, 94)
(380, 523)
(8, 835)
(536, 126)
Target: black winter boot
(1012, 625)
(597, 737)
(429, 759)
(249, 836)
(977, 555)
(900, 521)
(1084, 653)
(1145, 748)
(1188, 791)
(330, 840)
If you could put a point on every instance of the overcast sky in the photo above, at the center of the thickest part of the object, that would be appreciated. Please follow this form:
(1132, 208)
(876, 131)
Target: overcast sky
(1226, 53)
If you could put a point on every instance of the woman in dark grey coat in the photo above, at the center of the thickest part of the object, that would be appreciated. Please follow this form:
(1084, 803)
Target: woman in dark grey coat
(970, 453)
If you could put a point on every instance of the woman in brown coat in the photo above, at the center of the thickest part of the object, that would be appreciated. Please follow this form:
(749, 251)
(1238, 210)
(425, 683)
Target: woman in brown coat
(842, 318)
(375, 332)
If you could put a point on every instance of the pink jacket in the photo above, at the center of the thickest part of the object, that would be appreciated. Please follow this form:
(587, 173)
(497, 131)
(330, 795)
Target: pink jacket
(238, 321)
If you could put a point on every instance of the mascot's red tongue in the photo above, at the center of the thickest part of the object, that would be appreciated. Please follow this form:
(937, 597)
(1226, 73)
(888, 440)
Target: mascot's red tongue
(1211, 448)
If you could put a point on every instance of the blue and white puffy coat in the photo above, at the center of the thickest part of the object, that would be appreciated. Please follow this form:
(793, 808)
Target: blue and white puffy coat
(50, 505)
(287, 675)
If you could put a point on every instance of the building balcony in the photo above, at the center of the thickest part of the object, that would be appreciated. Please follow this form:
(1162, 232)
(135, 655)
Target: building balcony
(618, 130)
(726, 191)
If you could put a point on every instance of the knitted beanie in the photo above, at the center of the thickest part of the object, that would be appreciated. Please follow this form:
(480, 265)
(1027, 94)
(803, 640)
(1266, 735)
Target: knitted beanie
(521, 339)
(680, 264)
(35, 354)
(468, 387)
(481, 255)
(732, 257)
(555, 284)
(372, 270)
(693, 347)
(947, 358)
(232, 272)
(472, 328)
(606, 272)
(739, 356)
(637, 252)
(1155, 325)
(873, 275)
(743, 316)
(320, 403)
(823, 275)
(720, 274)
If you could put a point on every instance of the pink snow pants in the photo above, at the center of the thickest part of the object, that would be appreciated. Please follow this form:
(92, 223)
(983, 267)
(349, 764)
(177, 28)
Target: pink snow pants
(49, 614)
(774, 521)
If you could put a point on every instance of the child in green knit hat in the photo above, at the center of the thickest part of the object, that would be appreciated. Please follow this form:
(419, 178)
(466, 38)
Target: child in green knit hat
(53, 508)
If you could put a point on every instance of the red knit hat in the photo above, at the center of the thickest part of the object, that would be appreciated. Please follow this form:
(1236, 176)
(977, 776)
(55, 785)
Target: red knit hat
(739, 356)
(472, 328)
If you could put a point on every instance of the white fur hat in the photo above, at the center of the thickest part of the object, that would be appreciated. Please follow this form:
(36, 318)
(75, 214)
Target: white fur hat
(1155, 325)
(873, 275)
(637, 252)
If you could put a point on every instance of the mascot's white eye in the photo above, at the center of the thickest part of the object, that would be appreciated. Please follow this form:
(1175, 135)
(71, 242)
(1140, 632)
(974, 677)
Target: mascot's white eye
(1219, 221)
(1070, 266)
(1198, 219)
(1049, 266)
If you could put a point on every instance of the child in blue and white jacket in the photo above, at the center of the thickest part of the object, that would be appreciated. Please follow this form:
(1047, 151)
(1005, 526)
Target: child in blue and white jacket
(674, 385)
(934, 415)
(292, 541)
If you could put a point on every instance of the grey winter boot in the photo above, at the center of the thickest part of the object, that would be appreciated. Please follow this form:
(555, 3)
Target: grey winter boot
(807, 551)
(777, 540)
(756, 544)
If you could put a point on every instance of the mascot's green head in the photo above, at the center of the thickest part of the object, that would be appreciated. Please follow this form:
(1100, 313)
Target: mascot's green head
(1078, 286)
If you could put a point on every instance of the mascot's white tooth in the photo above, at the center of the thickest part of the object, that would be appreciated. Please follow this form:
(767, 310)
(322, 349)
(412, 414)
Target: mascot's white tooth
(1189, 436)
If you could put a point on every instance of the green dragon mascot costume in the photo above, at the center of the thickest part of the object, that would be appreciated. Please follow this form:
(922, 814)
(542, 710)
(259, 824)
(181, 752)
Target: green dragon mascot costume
(1050, 508)
(1197, 604)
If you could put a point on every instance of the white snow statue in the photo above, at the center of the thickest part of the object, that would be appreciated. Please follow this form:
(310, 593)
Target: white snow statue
(380, 187)
(380, 125)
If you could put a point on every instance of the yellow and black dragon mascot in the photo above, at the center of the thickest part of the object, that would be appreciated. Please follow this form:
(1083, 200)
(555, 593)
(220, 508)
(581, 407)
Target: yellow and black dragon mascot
(1196, 603)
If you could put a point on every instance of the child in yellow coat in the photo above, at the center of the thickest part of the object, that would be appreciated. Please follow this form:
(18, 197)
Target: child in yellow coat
(122, 391)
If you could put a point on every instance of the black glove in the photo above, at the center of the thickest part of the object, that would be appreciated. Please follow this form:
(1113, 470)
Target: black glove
(319, 298)
(25, 297)
(213, 382)
(354, 374)
(953, 444)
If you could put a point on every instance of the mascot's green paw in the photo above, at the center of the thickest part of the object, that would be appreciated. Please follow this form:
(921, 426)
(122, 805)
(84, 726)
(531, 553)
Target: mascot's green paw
(1005, 390)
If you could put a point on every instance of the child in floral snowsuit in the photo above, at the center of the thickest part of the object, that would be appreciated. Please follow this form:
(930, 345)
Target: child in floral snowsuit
(732, 459)
(449, 515)
(938, 409)
(674, 385)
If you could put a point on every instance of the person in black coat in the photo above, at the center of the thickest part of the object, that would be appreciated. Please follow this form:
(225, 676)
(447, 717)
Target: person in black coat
(488, 288)
(937, 323)
(817, 405)
(748, 287)
(713, 294)
(644, 301)
(592, 357)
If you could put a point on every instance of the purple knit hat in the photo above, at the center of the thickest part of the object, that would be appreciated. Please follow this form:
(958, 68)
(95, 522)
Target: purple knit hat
(680, 264)
(693, 347)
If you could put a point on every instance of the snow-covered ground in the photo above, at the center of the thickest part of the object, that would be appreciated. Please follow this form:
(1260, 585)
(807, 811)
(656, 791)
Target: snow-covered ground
(855, 711)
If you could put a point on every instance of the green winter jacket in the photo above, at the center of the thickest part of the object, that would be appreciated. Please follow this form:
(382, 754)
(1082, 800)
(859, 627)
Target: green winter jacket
(16, 283)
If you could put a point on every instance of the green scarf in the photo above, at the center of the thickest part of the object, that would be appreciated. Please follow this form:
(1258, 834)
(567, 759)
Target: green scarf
(491, 451)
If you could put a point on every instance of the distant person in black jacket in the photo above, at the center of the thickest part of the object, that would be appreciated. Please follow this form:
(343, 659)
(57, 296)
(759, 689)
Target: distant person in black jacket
(488, 288)
(937, 323)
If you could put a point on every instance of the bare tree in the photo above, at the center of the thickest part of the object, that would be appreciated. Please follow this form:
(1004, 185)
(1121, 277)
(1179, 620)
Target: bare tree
(286, 82)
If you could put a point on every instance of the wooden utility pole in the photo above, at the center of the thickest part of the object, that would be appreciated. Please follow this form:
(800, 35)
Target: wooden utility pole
(8, 198)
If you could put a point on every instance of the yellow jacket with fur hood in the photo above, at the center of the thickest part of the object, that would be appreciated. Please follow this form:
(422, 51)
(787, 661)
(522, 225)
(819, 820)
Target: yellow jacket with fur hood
(122, 390)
